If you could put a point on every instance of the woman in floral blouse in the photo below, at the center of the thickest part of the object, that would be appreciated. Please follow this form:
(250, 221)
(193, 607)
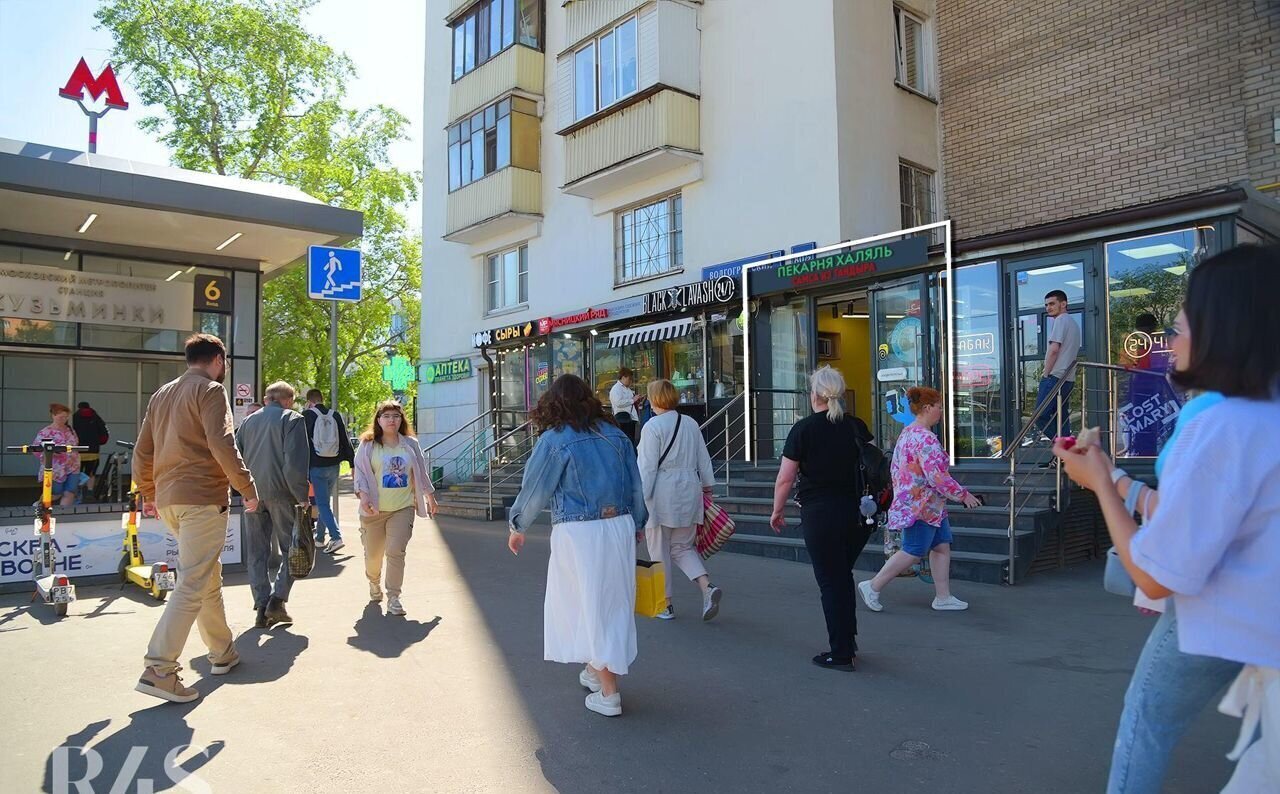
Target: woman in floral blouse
(66, 465)
(921, 486)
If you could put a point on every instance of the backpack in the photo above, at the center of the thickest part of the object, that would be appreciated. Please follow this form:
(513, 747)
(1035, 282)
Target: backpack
(324, 438)
(877, 474)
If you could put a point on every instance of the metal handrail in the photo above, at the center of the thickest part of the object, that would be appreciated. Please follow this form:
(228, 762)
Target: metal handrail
(722, 411)
(1010, 450)
(471, 422)
(508, 434)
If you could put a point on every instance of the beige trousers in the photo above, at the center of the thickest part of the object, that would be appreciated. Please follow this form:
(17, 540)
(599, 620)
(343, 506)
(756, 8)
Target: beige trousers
(675, 544)
(201, 531)
(386, 534)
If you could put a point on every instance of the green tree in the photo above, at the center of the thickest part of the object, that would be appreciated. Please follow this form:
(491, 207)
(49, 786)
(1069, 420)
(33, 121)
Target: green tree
(240, 88)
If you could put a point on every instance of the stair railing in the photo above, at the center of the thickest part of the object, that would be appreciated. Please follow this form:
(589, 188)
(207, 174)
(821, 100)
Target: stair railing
(730, 440)
(1011, 453)
(461, 452)
(512, 447)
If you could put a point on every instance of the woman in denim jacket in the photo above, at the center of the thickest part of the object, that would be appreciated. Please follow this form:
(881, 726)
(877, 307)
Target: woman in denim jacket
(585, 468)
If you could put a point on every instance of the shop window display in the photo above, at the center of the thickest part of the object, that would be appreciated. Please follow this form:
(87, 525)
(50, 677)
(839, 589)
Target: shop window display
(682, 364)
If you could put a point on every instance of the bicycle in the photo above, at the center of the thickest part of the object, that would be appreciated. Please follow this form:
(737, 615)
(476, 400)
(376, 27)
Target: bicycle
(156, 578)
(50, 586)
(110, 485)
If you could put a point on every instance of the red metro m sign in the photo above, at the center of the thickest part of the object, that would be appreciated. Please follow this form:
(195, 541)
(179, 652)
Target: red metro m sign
(82, 80)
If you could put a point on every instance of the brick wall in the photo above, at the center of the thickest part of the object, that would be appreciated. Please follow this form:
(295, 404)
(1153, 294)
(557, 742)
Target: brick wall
(1056, 110)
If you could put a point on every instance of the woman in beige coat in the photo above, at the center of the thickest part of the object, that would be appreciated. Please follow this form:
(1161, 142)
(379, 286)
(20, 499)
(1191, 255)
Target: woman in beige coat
(676, 470)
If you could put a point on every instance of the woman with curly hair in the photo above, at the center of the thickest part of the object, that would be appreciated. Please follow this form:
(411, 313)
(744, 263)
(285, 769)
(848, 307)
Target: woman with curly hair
(585, 468)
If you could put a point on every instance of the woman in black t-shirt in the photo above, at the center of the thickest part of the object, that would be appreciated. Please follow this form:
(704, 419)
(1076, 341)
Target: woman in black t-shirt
(824, 449)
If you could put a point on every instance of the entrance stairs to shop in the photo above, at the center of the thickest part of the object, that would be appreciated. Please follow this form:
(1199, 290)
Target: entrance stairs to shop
(980, 552)
(470, 498)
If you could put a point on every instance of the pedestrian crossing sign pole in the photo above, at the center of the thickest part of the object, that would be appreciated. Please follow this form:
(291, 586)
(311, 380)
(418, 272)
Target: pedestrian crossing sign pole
(334, 274)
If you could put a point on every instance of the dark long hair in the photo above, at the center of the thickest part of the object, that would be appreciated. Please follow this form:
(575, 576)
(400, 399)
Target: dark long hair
(571, 402)
(374, 431)
(1234, 323)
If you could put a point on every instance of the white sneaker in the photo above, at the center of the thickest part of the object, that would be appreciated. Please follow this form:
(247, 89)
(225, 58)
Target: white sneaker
(394, 607)
(375, 594)
(711, 602)
(667, 614)
(870, 597)
(589, 679)
(949, 604)
(608, 706)
(334, 545)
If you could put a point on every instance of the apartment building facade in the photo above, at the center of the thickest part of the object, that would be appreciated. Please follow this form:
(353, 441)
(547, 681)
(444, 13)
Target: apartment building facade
(1102, 149)
(597, 172)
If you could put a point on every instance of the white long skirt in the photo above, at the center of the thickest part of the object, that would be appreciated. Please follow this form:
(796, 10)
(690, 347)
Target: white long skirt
(589, 612)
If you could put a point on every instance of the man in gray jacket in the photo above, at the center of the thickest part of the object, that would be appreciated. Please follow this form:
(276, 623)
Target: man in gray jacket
(274, 445)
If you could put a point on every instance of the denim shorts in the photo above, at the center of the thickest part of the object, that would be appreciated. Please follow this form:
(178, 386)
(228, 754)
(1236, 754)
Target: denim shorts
(920, 538)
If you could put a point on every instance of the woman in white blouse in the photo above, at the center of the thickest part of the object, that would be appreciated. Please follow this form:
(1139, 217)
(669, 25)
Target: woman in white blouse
(1213, 543)
(623, 402)
(676, 470)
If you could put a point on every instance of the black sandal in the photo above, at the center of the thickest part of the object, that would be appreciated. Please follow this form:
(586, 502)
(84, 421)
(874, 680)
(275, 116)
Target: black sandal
(829, 662)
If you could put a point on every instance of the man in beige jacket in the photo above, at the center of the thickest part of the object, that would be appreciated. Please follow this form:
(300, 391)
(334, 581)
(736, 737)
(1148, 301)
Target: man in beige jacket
(185, 457)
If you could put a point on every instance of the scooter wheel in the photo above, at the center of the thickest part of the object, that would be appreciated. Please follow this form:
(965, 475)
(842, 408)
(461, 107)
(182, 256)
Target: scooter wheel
(160, 595)
(60, 610)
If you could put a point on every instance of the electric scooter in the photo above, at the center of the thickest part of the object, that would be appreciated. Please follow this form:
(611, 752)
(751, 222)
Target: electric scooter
(52, 587)
(156, 578)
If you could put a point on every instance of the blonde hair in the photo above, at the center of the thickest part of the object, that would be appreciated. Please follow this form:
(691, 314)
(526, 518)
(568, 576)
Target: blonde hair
(663, 394)
(828, 384)
(280, 392)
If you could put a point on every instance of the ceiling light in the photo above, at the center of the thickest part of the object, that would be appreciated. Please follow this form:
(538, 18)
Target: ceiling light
(193, 267)
(1176, 270)
(176, 273)
(1044, 271)
(228, 241)
(84, 227)
(856, 316)
(594, 332)
(568, 336)
(1148, 251)
(66, 256)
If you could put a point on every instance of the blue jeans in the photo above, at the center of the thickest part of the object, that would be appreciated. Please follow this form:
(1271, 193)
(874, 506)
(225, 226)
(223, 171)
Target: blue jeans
(1168, 691)
(1048, 421)
(268, 534)
(324, 479)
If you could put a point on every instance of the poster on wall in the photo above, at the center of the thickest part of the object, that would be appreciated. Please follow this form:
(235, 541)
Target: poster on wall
(35, 292)
(93, 548)
(241, 400)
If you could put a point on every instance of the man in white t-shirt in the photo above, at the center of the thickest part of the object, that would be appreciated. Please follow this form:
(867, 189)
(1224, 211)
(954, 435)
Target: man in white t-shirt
(1059, 363)
(623, 401)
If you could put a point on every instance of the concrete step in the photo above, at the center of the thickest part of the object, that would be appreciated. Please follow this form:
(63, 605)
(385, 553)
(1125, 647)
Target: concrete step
(965, 565)
(985, 540)
(464, 510)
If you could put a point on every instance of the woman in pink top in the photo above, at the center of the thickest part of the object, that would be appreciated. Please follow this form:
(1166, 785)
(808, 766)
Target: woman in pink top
(66, 465)
(921, 486)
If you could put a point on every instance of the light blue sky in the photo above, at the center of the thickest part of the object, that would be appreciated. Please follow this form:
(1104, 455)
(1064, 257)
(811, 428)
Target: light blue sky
(41, 41)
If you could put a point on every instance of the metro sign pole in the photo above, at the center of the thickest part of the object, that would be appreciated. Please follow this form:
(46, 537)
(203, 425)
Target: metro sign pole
(82, 80)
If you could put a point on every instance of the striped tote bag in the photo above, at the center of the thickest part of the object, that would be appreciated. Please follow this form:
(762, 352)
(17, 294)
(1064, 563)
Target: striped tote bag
(715, 529)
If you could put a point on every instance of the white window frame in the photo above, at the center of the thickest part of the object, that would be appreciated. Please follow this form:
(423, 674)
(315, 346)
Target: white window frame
(912, 214)
(597, 49)
(625, 220)
(494, 264)
(900, 17)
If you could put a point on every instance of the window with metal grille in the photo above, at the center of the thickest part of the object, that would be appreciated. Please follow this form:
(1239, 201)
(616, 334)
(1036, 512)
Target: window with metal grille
(910, 48)
(915, 186)
(649, 240)
(507, 276)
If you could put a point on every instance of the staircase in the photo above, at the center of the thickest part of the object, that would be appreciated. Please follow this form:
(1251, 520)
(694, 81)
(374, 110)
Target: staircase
(980, 551)
(470, 498)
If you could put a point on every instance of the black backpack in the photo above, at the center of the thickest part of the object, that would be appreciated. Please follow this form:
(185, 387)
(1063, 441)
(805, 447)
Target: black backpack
(877, 477)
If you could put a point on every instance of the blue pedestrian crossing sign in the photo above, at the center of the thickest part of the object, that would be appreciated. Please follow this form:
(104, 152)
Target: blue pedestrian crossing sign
(333, 274)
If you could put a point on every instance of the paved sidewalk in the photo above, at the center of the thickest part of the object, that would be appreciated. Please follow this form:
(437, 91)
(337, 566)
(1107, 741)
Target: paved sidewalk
(1021, 693)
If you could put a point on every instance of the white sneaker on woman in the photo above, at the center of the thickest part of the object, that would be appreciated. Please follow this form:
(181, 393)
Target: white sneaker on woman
(711, 602)
(871, 598)
(589, 679)
(610, 706)
(949, 604)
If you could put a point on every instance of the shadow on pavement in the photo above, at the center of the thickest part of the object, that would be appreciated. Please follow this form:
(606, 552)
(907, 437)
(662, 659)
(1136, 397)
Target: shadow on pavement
(388, 636)
(149, 748)
(265, 655)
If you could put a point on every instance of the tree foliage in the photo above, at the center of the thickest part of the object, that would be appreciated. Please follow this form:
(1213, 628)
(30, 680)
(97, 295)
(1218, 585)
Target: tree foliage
(240, 88)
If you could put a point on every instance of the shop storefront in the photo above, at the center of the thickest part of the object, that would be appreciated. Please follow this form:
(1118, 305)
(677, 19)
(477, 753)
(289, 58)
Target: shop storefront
(106, 266)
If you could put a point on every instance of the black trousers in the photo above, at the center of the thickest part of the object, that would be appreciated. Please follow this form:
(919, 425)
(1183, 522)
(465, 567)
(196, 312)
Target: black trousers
(834, 535)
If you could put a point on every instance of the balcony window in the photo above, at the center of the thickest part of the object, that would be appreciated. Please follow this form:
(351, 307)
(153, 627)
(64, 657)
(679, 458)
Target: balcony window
(490, 27)
(650, 240)
(482, 143)
(606, 69)
(507, 276)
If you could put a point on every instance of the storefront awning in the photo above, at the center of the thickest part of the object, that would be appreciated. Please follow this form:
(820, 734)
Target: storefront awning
(651, 333)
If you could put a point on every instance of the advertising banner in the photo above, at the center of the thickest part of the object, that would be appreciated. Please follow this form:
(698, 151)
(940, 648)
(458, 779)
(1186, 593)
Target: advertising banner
(840, 265)
(93, 548)
(34, 292)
